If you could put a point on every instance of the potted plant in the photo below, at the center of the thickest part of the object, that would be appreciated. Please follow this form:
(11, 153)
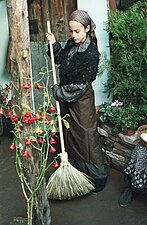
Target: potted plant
(127, 75)
(106, 110)
(126, 119)
(122, 117)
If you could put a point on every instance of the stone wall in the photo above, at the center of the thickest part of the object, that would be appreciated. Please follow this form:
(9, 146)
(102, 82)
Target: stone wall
(116, 147)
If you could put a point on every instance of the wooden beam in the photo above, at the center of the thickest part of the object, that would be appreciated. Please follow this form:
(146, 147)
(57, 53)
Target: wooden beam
(112, 5)
(19, 66)
(19, 63)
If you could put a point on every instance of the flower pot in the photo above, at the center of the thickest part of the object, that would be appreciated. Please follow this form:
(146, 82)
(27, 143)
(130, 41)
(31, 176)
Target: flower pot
(129, 132)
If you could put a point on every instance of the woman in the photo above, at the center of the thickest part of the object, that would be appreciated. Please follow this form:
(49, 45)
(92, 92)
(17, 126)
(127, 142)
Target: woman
(78, 69)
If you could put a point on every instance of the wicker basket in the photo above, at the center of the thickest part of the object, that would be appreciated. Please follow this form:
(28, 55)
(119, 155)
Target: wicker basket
(142, 129)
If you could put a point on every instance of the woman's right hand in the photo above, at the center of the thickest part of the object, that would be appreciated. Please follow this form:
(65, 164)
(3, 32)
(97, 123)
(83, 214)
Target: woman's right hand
(50, 37)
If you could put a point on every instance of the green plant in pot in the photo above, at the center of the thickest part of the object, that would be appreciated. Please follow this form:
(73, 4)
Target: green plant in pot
(106, 110)
(122, 117)
(126, 119)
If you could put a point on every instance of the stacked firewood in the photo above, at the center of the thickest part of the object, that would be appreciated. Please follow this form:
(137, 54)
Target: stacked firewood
(117, 148)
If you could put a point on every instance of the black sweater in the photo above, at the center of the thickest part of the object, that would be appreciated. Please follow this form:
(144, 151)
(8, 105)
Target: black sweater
(81, 68)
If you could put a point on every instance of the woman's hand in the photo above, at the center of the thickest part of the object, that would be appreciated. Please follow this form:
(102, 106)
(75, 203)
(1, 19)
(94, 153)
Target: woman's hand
(50, 37)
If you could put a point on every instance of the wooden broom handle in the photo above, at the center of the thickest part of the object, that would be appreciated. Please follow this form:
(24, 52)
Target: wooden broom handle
(55, 82)
(52, 54)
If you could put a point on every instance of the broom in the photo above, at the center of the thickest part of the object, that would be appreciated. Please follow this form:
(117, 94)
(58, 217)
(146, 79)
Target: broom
(66, 182)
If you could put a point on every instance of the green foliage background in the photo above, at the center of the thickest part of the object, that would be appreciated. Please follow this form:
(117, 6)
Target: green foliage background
(127, 80)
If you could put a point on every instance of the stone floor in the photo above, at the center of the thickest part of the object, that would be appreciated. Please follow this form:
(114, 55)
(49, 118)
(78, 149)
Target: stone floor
(99, 209)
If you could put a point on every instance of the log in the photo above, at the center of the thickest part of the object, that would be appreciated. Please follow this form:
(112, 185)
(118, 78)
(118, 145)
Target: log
(19, 66)
(112, 5)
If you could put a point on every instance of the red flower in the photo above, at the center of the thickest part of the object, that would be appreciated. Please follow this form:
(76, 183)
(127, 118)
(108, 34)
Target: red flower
(26, 121)
(28, 142)
(9, 112)
(26, 86)
(52, 109)
(2, 111)
(47, 122)
(52, 141)
(14, 118)
(37, 86)
(52, 134)
(28, 118)
(41, 114)
(56, 164)
(12, 146)
(37, 117)
(32, 119)
(41, 132)
(40, 140)
(25, 155)
(52, 150)
(27, 114)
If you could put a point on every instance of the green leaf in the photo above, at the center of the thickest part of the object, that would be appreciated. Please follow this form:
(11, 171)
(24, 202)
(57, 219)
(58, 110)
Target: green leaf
(33, 138)
(102, 118)
(66, 123)
(102, 110)
(25, 106)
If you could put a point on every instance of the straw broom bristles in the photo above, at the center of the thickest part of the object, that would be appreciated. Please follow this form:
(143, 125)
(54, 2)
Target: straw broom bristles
(67, 182)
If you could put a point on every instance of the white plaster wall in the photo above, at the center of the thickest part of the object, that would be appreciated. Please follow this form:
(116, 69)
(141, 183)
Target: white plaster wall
(98, 11)
(4, 39)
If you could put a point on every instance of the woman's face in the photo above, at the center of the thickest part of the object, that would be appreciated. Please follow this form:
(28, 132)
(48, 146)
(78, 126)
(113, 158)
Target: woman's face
(78, 31)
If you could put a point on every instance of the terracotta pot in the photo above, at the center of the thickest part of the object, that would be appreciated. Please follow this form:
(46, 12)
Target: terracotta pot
(129, 132)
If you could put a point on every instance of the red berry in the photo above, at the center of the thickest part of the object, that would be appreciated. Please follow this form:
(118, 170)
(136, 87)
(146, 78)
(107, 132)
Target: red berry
(52, 150)
(37, 117)
(14, 118)
(41, 114)
(25, 155)
(27, 114)
(41, 132)
(26, 86)
(56, 164)
(29, 142)
(52, 109)
(26, 121)
(47, 122)
(32, 119)
(2, 111)
(52, 134)
(37, 86)
(12, 146)
(52, 141)
(40, 140)
(9, 112)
